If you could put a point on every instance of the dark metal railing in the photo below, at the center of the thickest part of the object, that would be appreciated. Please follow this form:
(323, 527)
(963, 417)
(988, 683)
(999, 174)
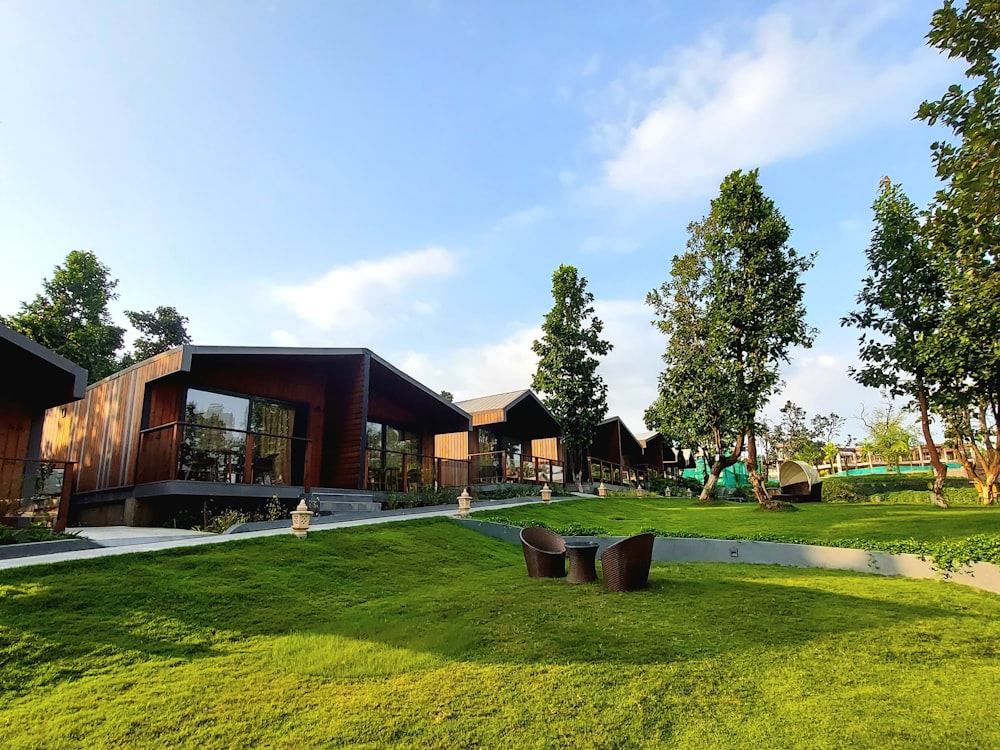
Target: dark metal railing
(496, 467)
(35, 489)
(193, 452)
(397, 471)
(612, 473)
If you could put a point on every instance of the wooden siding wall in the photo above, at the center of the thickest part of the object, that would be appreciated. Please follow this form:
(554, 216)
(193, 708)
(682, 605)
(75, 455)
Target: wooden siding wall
(15, 428)
(101, 432)
(342, 457)
(452, 445)
(607, 444)
(547, 448)
(488, 417)
(165, 401)
(299, 383)
(15, 431)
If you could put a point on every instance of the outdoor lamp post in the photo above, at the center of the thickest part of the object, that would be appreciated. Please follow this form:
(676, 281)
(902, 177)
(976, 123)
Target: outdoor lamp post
(464, 503)
(300, 520)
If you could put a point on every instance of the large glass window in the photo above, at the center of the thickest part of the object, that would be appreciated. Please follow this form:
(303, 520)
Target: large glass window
(273, 425)
(214, 445)
(219, 426)
(394, 462)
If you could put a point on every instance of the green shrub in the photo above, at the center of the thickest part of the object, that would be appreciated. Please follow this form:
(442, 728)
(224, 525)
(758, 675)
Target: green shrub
(219, 523)
(514, 491)
(423, 499)
(949, 555)
(570, 529)
(909, 488)
(30, 534)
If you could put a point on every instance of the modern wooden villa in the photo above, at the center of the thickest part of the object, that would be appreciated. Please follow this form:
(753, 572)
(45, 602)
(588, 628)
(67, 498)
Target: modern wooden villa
(653, 451)
(32, 379)
(231, 423)
(513, 438)
(615, 455)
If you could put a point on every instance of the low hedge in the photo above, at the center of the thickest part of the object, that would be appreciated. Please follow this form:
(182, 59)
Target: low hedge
(946, 555)
(30, 534)
(910, 488)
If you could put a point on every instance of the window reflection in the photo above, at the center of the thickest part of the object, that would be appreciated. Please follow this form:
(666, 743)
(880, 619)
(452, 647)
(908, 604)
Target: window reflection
(394, 460)
(218, 428)
(214, 445)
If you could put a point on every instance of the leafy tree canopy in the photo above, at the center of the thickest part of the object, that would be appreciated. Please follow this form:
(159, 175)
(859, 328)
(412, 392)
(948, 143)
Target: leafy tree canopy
(964, 231)
(160, 330)
(901, 306)
(733, 309)
(567, 375)
(71, 316)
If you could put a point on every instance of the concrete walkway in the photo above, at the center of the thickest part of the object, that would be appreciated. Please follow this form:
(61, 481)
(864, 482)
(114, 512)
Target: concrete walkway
(122, 540)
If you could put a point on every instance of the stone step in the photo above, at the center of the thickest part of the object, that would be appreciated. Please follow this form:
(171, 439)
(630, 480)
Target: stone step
(346, 502)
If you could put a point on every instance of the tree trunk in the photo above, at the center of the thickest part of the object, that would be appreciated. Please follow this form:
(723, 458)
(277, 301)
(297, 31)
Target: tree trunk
(708, 491)
(940, 470)
(756, 482)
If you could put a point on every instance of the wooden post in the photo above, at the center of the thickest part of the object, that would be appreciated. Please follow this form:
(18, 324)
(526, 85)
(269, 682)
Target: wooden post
(175, 450)
(248, 460)
(307, 468)
(62, 512)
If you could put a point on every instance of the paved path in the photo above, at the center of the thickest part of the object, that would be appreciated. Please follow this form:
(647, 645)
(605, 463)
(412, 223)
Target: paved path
(122, 540)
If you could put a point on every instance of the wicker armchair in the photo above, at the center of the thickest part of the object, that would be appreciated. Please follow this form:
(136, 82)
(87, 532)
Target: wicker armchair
(626, 563)
(544, 552)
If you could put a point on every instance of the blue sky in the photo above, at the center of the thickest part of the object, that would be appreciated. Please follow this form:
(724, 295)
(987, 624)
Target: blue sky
(406, 175)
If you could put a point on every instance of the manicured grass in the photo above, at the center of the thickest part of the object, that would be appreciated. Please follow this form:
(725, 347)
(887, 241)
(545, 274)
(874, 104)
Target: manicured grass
(425, 634)
(818, 522)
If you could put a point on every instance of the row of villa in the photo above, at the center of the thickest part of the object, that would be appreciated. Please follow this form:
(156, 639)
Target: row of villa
(236, 423)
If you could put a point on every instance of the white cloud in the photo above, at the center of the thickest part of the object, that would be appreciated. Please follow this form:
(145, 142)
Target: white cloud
(469, 372)
(818, 382)
(633, 367)
(354, 296)
(802, 81)
(522, 219)
(284, 338)
(630, 370)
(591, 66)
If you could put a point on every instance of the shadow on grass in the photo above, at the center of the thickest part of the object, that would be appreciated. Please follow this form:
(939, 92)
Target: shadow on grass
(421, 586)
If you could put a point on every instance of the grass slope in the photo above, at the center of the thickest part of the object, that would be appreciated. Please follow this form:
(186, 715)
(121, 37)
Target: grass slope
(817, 522)
(424, 634)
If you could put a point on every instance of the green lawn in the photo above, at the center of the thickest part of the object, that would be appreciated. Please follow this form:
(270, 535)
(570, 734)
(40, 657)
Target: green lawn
(817, 522)
(425, 634)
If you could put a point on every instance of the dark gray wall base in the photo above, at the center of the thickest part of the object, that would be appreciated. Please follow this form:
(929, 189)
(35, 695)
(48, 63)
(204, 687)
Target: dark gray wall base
(33, 549)
(983, 576)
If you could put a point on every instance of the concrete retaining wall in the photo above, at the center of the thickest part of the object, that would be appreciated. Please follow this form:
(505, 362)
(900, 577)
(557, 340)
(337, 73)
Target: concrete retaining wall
(33, 549)
(983, 576)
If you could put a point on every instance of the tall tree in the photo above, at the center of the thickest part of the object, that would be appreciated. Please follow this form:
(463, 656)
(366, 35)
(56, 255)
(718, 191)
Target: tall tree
(567, 375)
(964, 230)
(889, 434)
(792, 431)
(71, 316)
(901, 306)
(160, 330)
(696, 396)
(733, 309)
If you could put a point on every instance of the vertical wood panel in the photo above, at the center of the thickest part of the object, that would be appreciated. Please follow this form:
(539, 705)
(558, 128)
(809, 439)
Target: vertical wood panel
(100, 432)
(547, 448)
(452, 445)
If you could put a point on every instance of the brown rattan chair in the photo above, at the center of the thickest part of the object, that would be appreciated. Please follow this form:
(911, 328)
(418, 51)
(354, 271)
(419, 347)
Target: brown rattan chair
(544, 552)
(626, 563)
